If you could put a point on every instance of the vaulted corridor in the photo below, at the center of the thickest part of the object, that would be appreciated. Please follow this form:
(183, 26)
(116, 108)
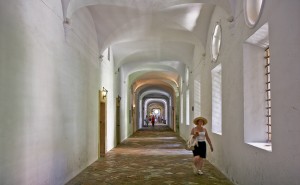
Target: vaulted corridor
(81, 79)
(150, 156)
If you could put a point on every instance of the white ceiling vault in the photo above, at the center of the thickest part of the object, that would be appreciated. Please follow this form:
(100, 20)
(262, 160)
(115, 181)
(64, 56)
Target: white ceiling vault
(164, 36)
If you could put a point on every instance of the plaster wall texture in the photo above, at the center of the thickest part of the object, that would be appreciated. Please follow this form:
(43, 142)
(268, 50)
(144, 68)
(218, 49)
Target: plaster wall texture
(242, 163)
(49, 94)
(107, 77)
(125, 125)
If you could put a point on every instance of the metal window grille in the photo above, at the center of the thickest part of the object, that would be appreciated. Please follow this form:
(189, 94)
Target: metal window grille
(268, 93)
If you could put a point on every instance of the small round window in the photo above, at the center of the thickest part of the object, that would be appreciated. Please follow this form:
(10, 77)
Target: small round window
(252, 9)
(216, 42)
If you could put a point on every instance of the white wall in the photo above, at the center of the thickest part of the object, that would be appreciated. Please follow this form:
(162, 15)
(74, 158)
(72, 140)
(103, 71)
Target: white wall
(49, 94)
(107, 77)
(125, 125)
(242, 163)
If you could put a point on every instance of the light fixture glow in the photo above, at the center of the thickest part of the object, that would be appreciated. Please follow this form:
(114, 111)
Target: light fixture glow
(104, 92)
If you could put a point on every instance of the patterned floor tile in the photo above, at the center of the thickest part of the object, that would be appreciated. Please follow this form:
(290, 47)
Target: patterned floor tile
(151, 156)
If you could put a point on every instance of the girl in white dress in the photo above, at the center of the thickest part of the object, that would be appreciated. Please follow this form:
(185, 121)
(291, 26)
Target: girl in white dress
(200, 133)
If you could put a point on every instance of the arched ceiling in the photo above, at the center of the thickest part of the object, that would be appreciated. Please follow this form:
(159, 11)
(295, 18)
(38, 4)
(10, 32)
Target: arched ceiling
(153, 52)
(160, 80)
(162, 36)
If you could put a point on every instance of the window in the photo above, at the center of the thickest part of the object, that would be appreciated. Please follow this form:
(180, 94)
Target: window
(268, 93)
(187, 107)
(252, 10)
(217, 100)
(216, 42)
(197, 98)
(257, 89)
(187, 75)
(181, 108)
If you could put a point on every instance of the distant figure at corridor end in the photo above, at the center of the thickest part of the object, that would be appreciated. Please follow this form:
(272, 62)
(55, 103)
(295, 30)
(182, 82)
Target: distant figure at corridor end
(147, 120)
(200, 134)
(153, 120)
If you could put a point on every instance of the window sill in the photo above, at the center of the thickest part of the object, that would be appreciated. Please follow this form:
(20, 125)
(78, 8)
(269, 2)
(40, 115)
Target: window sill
(264, 146)
(218, 133)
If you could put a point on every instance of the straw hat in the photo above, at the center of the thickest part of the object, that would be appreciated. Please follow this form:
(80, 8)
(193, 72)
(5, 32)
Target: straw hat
(200, 118)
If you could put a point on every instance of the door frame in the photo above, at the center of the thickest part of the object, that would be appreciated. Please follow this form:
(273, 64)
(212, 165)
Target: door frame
(102, 125)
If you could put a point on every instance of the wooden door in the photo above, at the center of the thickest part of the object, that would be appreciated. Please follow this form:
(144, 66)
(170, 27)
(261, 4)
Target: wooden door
(102, 126)
(118, 130)
(102, 129)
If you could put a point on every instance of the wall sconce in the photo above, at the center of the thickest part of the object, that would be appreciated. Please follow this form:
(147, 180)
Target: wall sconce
(104, 92)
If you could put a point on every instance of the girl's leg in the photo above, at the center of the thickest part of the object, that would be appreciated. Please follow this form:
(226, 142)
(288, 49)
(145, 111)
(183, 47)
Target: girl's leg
(196, 162)
(201, 161)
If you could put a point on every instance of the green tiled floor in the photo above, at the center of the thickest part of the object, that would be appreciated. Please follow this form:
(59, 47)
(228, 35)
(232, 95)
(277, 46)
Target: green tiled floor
(150, 156)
